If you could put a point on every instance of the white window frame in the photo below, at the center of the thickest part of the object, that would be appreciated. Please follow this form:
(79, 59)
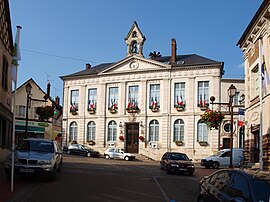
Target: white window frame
(73, 131)
(153, 130)
(202, 131)
(178, 130)
(91, 131)
(112, 131)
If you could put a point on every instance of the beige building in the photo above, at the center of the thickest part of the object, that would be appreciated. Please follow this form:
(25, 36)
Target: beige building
(6, 46)
(143, 105)
(37, 128)
(256, 37)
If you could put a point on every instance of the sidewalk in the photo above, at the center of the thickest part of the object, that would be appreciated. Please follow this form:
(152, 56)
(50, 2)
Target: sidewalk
(5, 186)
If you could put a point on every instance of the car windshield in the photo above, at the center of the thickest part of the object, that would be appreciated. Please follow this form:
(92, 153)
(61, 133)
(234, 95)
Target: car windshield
(36, 145)
(217, 154)
(262, 189)
(177, 156)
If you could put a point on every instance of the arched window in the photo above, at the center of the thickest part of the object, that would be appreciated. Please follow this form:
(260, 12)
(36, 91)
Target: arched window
(153, 130)
(202, 134)
(178, 130)
(112, 130)
(134, 47)
(134, 34)
(91, 131)
(73, 131)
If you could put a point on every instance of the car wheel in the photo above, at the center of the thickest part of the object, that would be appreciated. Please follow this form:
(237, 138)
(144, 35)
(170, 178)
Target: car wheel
(88, 154)
(68, 151)
(107, 156)
(126, 158)
(52, 175)
(215, 165)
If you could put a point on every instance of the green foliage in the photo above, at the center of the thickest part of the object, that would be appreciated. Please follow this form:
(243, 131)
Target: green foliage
(45, 113)
(212, 118)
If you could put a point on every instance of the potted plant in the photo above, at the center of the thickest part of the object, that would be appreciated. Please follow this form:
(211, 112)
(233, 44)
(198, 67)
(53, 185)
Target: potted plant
(212, 118)
(45, 113)
(141, 138)
(132, 107)
(121, 137)
(154, 105)
(180, 106)
(113, 108)
(179, 142)
(203, 143)
(73, 109)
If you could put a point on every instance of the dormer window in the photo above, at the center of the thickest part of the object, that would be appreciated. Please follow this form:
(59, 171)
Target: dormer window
(134, 34)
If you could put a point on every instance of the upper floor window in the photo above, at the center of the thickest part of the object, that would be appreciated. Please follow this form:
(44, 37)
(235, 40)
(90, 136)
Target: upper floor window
(154, 102)
(255, 83)
(92, 99)
(133, 96)
(73, 131)
(153, 130)
(203, 93)
(5, 73)
(236, 98)
(202, 134)
(112, 131)
(91, 131)
(74, 100)
(22, 111)
(134, 47)
(178, 130)
(179, 95)
(113, 98)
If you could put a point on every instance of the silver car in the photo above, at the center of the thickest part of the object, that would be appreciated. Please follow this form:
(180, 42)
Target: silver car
(117, 153)
(36, 156)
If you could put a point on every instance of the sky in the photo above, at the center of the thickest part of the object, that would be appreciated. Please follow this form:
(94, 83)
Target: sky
(59, 37)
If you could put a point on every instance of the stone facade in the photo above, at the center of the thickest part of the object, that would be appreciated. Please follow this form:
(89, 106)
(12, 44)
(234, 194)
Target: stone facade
(257, 102)
(158, 116)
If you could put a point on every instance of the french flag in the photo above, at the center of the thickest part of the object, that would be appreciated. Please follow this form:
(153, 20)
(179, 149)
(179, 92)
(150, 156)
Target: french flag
(241, 117)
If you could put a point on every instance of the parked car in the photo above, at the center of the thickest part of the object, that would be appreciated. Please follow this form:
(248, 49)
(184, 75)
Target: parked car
(116, 153)
(177, 162)
(79, 149)
(36, 156)
(235, 185)
(222, 158)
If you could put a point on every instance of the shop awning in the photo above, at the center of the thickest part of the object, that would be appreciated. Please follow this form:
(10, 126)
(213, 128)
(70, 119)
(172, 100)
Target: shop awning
(31, 129)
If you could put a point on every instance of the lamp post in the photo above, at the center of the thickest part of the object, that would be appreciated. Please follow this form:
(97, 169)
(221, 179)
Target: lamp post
(231, 94)
(28, 88)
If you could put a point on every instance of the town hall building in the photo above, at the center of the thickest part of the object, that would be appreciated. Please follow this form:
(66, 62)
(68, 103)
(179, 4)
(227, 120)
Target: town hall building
(144, 105)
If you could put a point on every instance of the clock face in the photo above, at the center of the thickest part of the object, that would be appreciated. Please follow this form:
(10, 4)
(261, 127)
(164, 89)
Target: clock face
(133, 65)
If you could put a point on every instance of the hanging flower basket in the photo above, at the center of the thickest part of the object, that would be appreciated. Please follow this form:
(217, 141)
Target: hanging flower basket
(92, 110)
(45, 113)
(179, 143)
(212, 118)
(121, 138)
(203, 143)
(141, 138)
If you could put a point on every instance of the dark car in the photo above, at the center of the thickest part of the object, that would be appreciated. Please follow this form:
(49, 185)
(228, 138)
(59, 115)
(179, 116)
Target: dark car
(235, 185)
(177, 162)
(79, 149)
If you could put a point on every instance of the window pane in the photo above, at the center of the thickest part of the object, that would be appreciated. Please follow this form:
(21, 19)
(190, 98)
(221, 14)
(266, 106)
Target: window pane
(112, 130)
(133, 96)
(203, 93)
(73, 131)
(91, 131)
(74, 100)
(113, 98)
(179, 94)
(154, 101)
(92, 99)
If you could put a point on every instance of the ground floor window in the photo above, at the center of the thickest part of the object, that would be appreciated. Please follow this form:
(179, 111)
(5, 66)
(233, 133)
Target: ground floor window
(202, 134)
(91, 131)
(178, 130)
(154, 130)
(112, 130)
(73, 131)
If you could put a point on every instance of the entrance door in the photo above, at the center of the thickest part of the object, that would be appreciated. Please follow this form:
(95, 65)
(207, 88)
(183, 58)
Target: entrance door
(132, 134)
(226, 143)
(256, 150)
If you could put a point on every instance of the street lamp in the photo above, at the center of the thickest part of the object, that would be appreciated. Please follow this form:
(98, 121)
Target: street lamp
(28, 88)
(231, 93)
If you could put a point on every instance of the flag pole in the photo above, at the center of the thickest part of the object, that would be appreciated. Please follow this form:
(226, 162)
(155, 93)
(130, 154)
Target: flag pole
(17, 57)
(260, 75)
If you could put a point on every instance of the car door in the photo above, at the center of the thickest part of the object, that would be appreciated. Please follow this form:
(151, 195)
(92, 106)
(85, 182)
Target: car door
(225, 159)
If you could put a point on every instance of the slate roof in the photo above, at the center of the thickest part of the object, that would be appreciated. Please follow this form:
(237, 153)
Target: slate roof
(181, 61)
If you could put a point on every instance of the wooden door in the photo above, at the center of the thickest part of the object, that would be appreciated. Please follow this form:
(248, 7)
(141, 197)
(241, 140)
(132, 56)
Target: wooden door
(132, 137)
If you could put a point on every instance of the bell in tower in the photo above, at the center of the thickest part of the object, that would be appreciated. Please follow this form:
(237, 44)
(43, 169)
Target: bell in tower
(135, 40)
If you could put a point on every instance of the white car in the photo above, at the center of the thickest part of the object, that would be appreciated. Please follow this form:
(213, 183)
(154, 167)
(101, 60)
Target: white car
(116, 153)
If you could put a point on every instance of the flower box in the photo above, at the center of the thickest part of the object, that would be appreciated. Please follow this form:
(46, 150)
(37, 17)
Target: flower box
(179, 143)
(203, 143)
(133, 110)
(113, 111)
(154, 109)
(203, 108)
(74, 112)
(91, 111)
(180, 108)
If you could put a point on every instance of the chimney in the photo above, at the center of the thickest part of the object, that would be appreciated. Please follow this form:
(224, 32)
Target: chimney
(173, 56)
(48, 89)
(88, 66)
(57, 100)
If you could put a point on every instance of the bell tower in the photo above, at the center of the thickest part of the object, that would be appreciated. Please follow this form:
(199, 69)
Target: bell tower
(135, 40)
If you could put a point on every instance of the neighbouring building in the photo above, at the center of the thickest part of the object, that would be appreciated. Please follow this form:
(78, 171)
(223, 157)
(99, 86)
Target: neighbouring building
(39, 124)
(6, 47)
(144, 105)
(255, 45)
